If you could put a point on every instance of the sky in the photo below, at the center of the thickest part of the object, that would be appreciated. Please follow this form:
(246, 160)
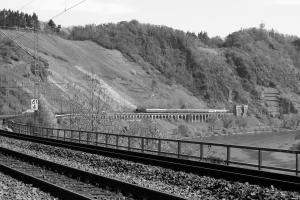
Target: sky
(216, 17)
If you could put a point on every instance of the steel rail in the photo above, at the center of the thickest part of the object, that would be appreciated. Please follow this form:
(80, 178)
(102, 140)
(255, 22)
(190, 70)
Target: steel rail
(114, 140)
(232, 173)
(128, 189)
(42, 184)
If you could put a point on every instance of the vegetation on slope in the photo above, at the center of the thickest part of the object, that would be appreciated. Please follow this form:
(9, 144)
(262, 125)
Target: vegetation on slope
(172, 52)
(11, 99)
(209, 67)
(16, 19)
(17, 66)
(264, 58)
(10, 18)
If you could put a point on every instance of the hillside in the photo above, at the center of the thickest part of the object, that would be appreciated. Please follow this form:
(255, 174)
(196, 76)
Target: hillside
(119, 82)
(10, 98)
(213, 70)
(135, 64)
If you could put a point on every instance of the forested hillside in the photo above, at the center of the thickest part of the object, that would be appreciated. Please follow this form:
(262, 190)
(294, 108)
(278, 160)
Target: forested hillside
(209, 67)
(16, 20)
(174, 53)
(10, 18)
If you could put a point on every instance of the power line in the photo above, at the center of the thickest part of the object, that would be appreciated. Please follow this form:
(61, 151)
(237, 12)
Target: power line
(17, 43)
(25, 5)
(67, 9)
(18, 36)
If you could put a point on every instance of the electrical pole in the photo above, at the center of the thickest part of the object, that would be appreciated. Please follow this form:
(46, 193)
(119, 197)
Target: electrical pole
(36, 67)
(70, 126)
(92, 101)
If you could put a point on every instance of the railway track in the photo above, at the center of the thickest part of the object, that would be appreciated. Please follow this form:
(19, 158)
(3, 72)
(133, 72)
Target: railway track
(264, 178)
(70, 183)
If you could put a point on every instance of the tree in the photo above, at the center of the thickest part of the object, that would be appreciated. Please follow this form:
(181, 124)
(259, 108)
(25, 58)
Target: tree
(58, 28)
(216, 42)
(22, 21)
(2, 18)
(262, 26)
(153, 85)
(203, 37)
(51, 25)
(28, 19)
(35, 21)
(296, 43)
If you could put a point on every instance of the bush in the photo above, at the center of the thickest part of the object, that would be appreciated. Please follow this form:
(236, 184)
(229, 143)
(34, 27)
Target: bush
(286, 106)
(291, 121)
(241, 122)
(212, 121)
(182, 130)
(228, 121)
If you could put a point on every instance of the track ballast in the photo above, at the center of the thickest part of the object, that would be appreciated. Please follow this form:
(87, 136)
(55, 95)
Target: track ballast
(69, 183)
(264, 178)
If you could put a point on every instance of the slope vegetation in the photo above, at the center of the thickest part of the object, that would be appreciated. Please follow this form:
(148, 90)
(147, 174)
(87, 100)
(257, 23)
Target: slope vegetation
(216, 71)
(121, 83)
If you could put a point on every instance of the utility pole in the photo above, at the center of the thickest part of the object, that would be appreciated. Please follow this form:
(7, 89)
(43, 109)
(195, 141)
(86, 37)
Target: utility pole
(6, 85)
(70, 126)
(36, 67)
(92, 101)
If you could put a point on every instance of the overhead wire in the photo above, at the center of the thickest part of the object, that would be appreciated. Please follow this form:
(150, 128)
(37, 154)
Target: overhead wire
(57, 15)
(67, 9)
(18, 36)
(25, 5)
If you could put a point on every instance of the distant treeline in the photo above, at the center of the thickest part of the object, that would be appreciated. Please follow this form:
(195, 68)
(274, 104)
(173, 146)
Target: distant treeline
(16, 19)
(10, 18)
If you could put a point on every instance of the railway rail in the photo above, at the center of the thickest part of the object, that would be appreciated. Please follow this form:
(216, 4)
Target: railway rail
(233, 173)
(160, 146)
(70, 183)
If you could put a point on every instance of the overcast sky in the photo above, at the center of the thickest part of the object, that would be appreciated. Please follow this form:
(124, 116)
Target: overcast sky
(217, 17)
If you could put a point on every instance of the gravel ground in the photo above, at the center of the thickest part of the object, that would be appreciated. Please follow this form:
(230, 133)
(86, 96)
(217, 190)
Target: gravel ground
(12, 189)
(184, 184)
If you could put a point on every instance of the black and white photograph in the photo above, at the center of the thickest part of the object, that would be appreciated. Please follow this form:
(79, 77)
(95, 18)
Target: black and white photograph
(149, 100)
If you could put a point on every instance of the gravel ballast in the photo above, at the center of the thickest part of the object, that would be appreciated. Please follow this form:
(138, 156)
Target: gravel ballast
(12, 189)
(180, 183)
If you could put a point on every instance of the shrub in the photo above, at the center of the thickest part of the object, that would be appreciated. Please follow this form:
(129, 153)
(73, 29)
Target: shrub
(212, 121)
(291, 121)
(286, 106)
(182, 130)
(228, 121)
(241, 122)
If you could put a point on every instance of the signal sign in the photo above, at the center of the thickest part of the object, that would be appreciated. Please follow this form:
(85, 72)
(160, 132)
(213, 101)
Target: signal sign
(34, 104)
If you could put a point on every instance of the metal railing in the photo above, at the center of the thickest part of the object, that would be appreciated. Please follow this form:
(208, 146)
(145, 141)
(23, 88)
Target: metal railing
(182, 149)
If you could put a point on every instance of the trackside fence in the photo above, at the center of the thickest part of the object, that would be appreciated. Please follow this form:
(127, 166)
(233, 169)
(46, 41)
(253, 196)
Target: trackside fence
(182, 149)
